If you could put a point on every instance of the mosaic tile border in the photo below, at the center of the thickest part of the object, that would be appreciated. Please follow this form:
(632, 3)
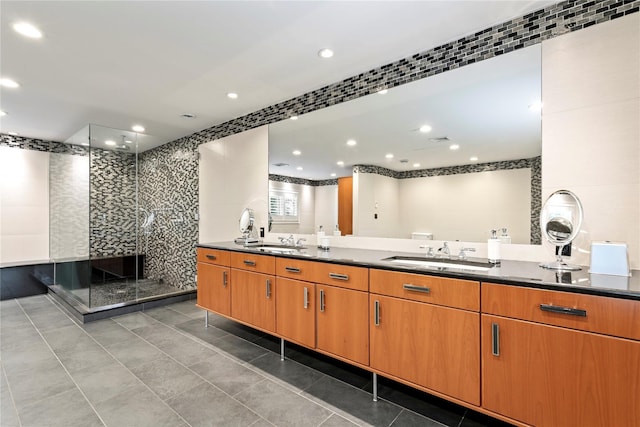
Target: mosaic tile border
(302, 181)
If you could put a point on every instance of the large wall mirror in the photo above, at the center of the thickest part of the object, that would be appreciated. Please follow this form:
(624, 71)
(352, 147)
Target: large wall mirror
(447, 157)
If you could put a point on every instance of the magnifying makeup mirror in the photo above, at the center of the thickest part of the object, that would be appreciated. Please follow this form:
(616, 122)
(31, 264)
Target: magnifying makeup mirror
(560, 220)
(247, 219)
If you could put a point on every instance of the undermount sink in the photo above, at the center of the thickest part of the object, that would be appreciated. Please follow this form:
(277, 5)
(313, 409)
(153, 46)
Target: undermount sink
(281, 249)
(440, 263)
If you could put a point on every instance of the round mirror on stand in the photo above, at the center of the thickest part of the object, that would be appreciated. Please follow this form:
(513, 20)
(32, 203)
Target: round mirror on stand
(247, 218)
(560, 220)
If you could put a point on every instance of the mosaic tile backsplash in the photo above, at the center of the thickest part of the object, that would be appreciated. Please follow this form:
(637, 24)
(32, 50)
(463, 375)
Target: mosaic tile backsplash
(169, 178)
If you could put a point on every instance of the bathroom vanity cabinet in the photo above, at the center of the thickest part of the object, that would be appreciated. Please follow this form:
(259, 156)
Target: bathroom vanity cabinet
(424, 330)
(527, 354)
(560, 359)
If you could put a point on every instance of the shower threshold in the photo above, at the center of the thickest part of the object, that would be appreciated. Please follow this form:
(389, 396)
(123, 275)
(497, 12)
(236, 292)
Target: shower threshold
(84, 313)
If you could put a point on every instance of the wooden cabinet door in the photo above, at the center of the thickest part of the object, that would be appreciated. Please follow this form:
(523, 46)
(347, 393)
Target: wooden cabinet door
(295, 311)
(214, 288)
(551, 376)
(253, 297)
(432, 346)
(343, 328)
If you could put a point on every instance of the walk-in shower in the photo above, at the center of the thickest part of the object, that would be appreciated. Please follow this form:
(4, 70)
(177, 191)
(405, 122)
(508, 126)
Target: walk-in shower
(107, 240)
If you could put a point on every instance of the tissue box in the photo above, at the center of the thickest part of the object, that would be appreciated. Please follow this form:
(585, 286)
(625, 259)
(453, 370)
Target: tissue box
(609, 258)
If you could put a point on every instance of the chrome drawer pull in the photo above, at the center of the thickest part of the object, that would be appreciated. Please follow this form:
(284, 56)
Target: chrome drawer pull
(376, 313)
(339, 276)
(495, 339)
(563, 310)
(306, 297)
(212, 257)
(268, 288)
(322, 300)
(410, 287)
(251, 263)
(224, 279)
(292, 269)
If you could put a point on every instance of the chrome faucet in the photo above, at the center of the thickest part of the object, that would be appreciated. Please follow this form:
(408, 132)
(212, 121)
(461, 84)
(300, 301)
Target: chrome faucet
(287, 240)
(429, 250)
(462, 254)
(443, 252)
(300, 240)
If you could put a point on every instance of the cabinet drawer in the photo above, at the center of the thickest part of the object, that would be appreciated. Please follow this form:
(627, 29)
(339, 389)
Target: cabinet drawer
(343, 276)
(464, 294)
(259, 263)
(611, 316)
(213, 256)
(296, 269)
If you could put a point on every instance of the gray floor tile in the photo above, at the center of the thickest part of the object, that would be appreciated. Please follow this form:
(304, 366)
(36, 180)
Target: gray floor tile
(336, 369)
(205, 405)
(182, 348)
(261, 422)
(188, 308)
(139, 407)
(411, 419)
(235, 328)
(28, 356)
(50, 320)
(75, 361)
(134, 353)
(13, 318)
(134, 320)
(226, 374)
(68, 409)
(69, 338)
(8, 414)
(352, 403)
(336, 420)
(197, 329)
(281, 406)
(288, 372)
(239, 348)
(108, 332)
(17, 338)
(106, 382)
(167, 316)
(42, 381)
(166, 377)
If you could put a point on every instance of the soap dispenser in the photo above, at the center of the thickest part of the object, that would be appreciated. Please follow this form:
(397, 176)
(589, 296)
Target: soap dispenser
(336, 232)
(320, 233)
(505, 239)
(493, 248)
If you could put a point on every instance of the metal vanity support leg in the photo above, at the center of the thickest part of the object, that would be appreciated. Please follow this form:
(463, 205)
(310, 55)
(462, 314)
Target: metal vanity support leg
(375, 387)
(206, 318)
(282, 349)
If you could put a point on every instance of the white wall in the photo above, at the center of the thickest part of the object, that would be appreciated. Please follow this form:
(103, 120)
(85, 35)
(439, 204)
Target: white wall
(376, 194)
(24, 205)
(326, 207)
(591, 131)
(233, 175)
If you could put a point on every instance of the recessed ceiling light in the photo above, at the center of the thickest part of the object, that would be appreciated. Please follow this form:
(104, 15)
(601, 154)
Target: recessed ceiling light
(325, 53)
(3, 113)
(188, 116)
(383, 91)
(296, 152)
(299, 168)
(340, 163)
(473, 159)
(128, 141)
(110, 142)
(351, 142)
(333, 174)
(454, 147)
(8, 83)
(27, 30)
(13, 133)
(232, 95)
(425, 128)
(389, 156)
(294, 117)
(535, 106)
(86, 144)
(416, 165)
(137, 128)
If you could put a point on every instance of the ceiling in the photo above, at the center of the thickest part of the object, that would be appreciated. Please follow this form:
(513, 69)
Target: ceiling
(120, 63)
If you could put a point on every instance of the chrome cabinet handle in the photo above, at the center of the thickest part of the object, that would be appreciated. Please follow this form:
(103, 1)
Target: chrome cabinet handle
(563, 310)
(339, 276)
(212, 257)
(292, 269)
(268, 288)
(376, 313)
(224, 279)
(321, 300)
(495, 339)
(306, 297)
(249, 262)
(410, 287)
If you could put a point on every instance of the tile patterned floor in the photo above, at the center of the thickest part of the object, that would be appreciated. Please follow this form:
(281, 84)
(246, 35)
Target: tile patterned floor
(161, 367)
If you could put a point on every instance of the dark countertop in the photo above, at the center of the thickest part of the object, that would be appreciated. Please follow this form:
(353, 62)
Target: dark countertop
(518, 273)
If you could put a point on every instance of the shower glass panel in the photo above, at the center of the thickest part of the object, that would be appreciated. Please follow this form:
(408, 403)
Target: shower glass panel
(105, 244)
